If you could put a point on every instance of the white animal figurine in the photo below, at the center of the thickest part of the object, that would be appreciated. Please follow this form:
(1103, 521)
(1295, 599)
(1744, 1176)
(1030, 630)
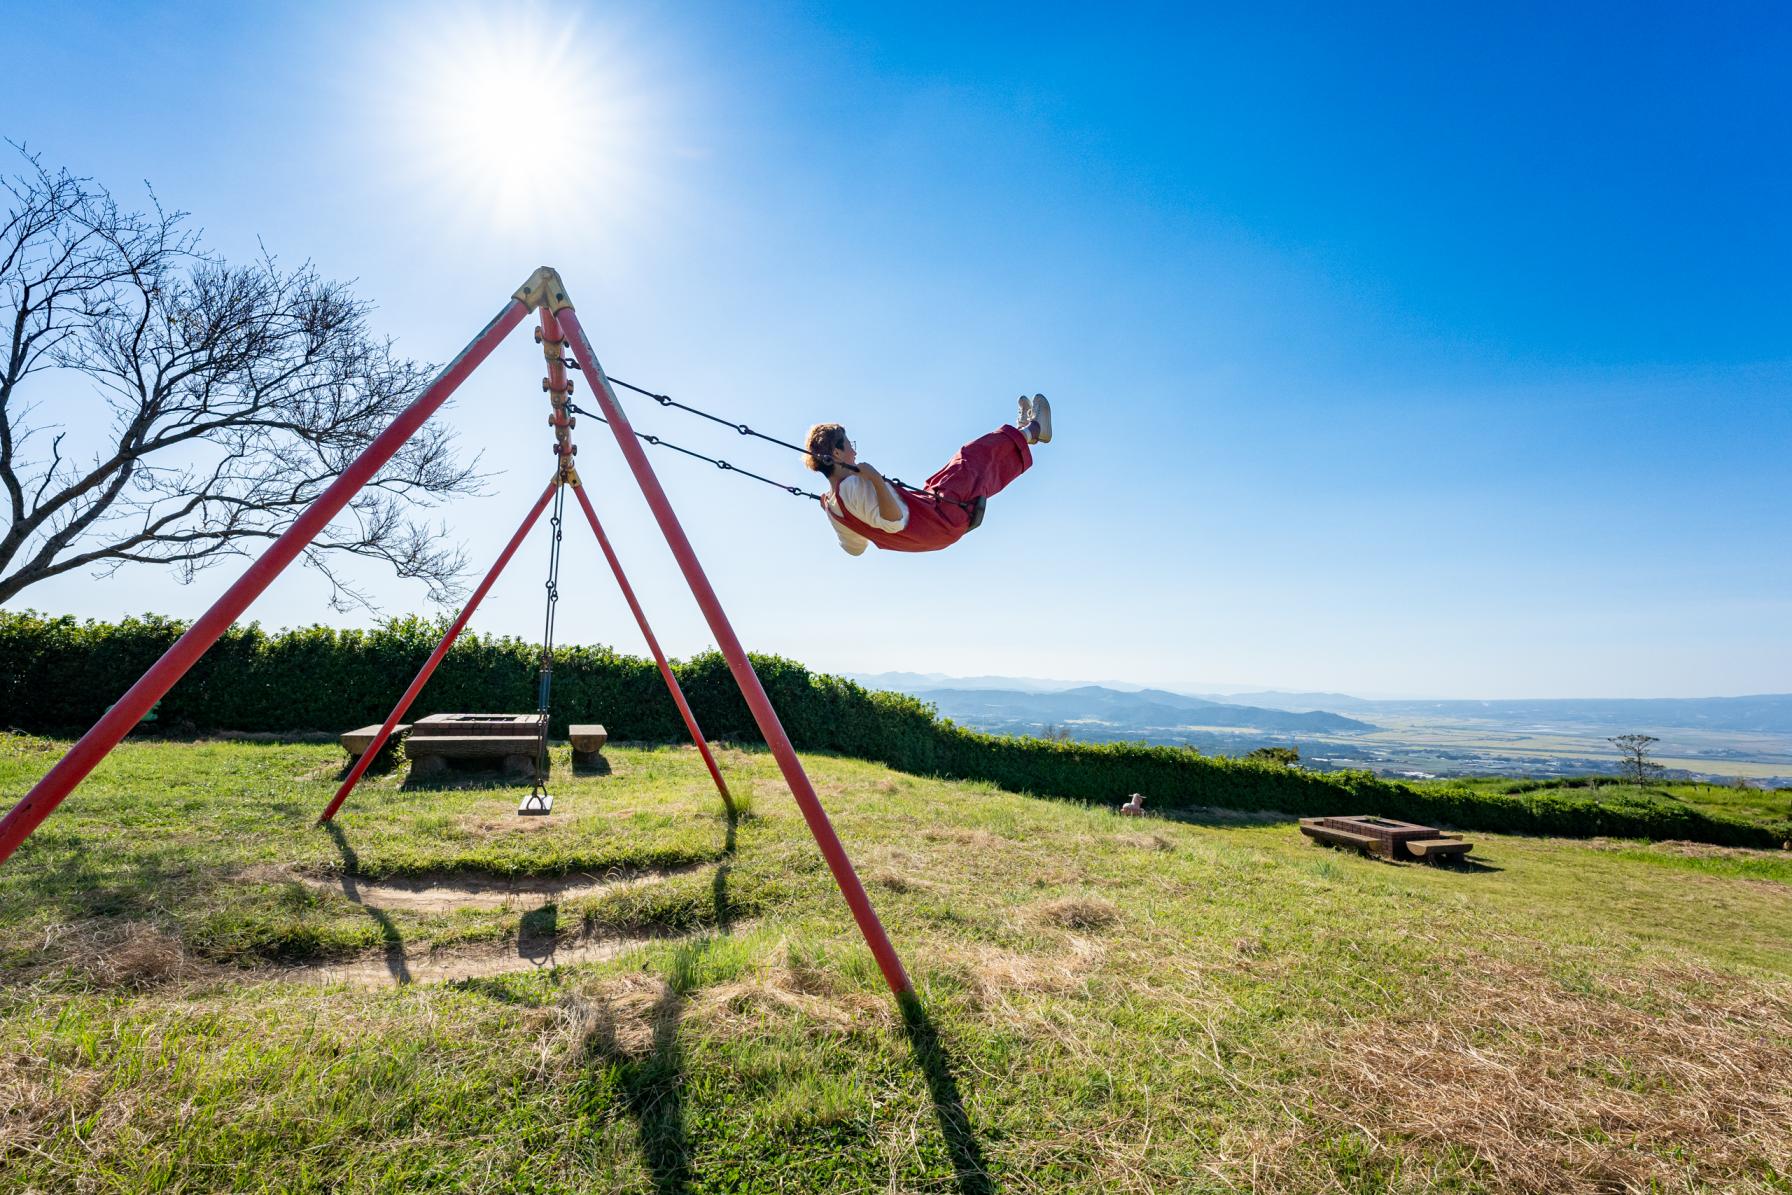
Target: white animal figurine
(1134, 807)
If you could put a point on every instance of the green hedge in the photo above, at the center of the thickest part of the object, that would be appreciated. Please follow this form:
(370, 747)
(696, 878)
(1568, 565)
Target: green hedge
(57, 675)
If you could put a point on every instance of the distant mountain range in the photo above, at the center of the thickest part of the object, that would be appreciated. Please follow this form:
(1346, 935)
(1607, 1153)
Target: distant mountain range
(1766, 713)
(1095, 706)
(984, 699)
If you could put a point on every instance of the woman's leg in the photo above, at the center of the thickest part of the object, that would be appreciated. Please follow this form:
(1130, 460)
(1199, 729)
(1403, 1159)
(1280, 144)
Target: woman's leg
(983, 467)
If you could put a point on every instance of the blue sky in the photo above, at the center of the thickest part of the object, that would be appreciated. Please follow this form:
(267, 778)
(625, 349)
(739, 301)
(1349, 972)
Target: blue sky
(1394, 350)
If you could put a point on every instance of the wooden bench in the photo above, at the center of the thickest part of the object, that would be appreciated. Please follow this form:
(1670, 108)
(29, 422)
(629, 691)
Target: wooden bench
(1439, 848)
(588, 741)
(356, 742)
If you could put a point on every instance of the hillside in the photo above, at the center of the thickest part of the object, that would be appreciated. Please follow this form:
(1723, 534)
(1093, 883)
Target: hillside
(199, 989)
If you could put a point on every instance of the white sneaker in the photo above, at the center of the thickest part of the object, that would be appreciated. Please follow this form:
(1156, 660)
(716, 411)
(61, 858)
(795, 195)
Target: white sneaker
(1026, 414)
(1042, 415)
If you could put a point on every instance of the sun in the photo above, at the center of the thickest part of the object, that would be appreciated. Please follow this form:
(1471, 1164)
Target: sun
(497, 112)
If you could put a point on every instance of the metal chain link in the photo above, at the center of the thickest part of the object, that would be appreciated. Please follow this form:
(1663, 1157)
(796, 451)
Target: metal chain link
(545, 680)
(723, 465)
(666, 400)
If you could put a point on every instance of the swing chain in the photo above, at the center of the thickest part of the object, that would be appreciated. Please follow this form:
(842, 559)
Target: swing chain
(666, 400)
(723, 465)
(545, 679)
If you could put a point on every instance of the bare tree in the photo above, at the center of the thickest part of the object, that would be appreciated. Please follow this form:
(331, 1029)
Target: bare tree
(1633, 757)
(223, 398)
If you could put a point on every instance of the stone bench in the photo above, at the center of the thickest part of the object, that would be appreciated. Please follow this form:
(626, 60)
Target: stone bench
(512, 740)
(429, 754)
(1331, 837)
(588, 741)
(1385, 837)
(356, 742)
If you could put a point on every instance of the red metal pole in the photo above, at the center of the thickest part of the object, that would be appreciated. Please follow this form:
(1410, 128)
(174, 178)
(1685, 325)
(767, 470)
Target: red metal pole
(162, 675)
(653, 645)
(435, 657)
(740, 666)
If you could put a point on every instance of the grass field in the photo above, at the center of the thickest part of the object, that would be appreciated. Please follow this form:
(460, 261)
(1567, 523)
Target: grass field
(1763, 806)
(200, 990)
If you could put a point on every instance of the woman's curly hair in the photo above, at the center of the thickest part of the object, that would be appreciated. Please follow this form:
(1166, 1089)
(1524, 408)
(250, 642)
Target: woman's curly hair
(825, 439)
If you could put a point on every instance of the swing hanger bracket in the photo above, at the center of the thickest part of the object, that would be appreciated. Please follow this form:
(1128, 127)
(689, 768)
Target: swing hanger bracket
(544, 289)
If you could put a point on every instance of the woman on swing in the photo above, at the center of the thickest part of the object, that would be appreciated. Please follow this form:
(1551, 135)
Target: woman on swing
(865, 508)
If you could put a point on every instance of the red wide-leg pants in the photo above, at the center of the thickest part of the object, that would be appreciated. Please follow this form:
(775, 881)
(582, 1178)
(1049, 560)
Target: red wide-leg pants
(981, 469)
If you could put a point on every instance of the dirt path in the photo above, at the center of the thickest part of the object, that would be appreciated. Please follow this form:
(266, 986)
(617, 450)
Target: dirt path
(401, 965)
(446, 893)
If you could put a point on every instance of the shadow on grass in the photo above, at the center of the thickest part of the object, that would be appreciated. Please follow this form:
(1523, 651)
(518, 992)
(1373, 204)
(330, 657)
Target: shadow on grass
(968, 1166)
(1463, 864)
(469, 776)
(651, 1082)
(1466, 864)
(390, 756)
(597, 765)
(1203, 815)
(538, 935)
(351, 867)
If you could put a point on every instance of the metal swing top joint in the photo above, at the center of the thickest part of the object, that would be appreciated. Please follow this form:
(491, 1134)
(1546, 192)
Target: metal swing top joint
(544, 290)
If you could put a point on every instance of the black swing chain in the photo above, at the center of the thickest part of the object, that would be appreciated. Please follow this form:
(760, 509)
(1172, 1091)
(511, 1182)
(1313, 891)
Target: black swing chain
(657, 442)
(666, 400)
(545, 680)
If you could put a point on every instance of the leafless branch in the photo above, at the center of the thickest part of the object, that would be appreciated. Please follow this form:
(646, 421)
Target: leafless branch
(236, 395)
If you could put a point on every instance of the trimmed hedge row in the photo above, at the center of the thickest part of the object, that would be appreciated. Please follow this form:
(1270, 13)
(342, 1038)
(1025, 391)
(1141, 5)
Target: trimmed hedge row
(58, 675)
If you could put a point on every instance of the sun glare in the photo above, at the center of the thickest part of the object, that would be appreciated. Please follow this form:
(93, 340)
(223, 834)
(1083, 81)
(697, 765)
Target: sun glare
(494, 114)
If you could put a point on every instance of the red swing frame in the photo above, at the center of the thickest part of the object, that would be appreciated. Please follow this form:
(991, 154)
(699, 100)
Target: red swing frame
(543, 292)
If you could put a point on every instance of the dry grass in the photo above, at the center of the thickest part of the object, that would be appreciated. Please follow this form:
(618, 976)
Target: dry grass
(1690, 850)
(782, 991)
(127, 955)
(981, 840)
(1074, 912)
(618, 1018)
(478, 826)
(144, 956)
(1660, 1079)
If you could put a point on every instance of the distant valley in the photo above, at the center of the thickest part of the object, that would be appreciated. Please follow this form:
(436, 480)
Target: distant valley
(1708, 738)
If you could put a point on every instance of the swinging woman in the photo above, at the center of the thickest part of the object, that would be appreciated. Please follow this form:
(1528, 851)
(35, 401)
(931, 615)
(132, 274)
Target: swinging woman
(865, 508)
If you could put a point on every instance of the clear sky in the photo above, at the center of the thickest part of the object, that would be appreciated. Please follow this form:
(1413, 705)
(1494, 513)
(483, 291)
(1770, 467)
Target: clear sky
(1396, 350)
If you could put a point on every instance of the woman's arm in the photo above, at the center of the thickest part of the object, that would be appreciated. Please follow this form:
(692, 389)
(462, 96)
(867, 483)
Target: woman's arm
(888, 504)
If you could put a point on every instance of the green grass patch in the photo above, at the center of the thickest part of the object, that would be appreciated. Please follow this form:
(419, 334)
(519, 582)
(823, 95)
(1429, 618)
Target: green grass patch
(1106, 1003)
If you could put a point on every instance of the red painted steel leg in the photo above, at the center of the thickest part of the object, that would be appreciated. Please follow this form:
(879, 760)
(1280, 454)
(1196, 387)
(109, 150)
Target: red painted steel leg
(653, 645)
(744, 676)
(435, 657)
(162, 675)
